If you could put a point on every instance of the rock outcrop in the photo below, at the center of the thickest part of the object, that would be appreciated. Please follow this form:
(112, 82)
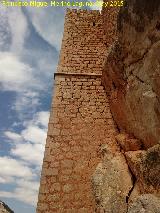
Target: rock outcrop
(147, 203)
(145, 165)
(4, 208)
(112, 182)
(132, 71)
(128, 179)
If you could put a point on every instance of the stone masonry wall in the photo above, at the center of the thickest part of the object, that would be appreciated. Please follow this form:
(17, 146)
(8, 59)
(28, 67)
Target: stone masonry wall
(109, 15)
(82, 48)
(80, 120)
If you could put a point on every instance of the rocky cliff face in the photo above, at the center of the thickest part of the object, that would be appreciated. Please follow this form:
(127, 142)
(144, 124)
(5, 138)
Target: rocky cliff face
(132, 71)
(4, 208)
(128, 179)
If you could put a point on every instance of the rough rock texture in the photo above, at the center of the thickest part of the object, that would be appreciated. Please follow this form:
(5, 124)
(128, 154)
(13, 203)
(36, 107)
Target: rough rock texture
(145, 165)
(4, 208)
(146, 203)
(131, 77)
(128, 143)
(132, 71)
(112, 182)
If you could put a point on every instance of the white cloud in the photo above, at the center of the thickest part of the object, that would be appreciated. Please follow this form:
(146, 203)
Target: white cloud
(25, 103)
(19, 32)
(4, 28)
(18, 76)
(14, 24)
(4, 180)
(52, 34)
(14, 137)
(34, 138)
(31, 153)
(14, 74)
(28, 145)
(42, 118)
(14, 168)
(34, 134)
(23, 168)
(33, 185)
(26, 192)
(36, 129)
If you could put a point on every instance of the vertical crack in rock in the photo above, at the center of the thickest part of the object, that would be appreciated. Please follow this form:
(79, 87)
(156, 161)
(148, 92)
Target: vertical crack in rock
(131, 190)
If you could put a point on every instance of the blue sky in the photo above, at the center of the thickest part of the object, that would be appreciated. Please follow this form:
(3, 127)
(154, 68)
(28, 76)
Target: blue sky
(30, 40)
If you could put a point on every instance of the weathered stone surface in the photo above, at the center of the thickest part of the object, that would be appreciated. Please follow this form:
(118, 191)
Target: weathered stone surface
(146, 203)
(112, 183)
(110, 24)
(134, 193)
(131, 75)
(80, 120)
(4, 208)
(145, 165)
(82, 48)
(128, 143)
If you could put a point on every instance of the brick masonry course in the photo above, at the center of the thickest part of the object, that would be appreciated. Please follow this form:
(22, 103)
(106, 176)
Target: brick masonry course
(80, 119)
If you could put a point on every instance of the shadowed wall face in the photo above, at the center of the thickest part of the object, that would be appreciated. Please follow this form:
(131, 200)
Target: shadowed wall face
(80, 120)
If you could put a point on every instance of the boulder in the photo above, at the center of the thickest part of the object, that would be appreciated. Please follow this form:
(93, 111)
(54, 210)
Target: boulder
(112, 183)
(145, 165)
(146, 203)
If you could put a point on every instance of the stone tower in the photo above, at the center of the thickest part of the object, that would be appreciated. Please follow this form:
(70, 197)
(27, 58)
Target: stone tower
(80, 120)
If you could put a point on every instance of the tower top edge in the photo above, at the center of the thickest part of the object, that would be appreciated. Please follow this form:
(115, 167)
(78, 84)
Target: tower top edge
(82, 11)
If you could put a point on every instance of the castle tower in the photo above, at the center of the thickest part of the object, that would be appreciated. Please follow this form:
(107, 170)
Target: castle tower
(80, 119)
